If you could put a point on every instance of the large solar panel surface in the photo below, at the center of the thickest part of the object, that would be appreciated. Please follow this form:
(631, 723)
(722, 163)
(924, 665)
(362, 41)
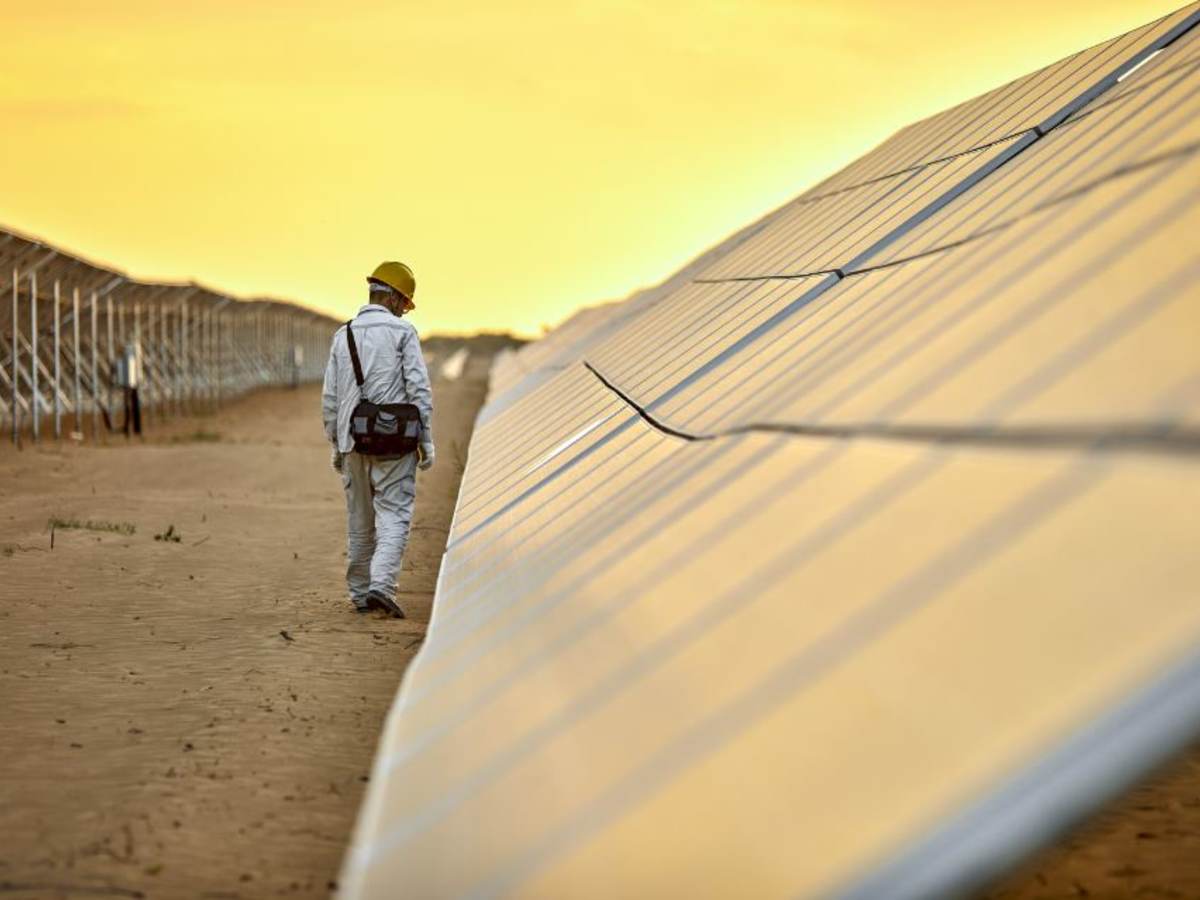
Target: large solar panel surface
(857, 558)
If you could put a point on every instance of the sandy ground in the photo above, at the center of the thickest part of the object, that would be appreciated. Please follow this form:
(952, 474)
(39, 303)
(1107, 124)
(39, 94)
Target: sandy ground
(1146, 845)
(196, 718)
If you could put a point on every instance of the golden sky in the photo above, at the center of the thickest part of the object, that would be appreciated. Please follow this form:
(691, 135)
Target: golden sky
(525, 158)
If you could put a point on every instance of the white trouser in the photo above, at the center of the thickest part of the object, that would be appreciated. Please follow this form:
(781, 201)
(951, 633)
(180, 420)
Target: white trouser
(379, 501)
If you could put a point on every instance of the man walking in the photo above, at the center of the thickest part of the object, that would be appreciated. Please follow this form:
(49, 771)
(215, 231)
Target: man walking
(379, 491)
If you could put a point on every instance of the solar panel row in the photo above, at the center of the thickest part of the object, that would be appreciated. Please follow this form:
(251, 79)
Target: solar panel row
(857, 554)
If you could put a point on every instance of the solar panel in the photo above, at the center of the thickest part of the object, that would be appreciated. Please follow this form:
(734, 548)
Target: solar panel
(854, 559)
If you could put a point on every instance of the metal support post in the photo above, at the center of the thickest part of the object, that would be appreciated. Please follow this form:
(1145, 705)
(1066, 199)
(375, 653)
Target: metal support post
(150, 396)
(57, 361)
(34, 360)
(95, 372)
(13, 358)
(111, 359)
(185, 369)
(164, 369)
(75, 350)
(219, 355)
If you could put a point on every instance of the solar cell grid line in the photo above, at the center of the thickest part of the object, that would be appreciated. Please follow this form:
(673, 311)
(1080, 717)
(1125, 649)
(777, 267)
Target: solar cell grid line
(512, 394)
(935, 288)
(555, 438)
(813, 223)
(1103, 54)
(509, 527)
(703, 310)
(896, 192)
(800, 675)
(946, 134)
(1178, 25)
(1049, 89)
(533, 426)
(751, 259)
(1178, 57)
(654, 659)
(761, 300)
(793, 352)
(909, 202)
(646, 322)
(652, 303)
(1086, 64)
(503, 499)
(1072, 154)
(564, 534)
(988, 166)
(1126, 172)
(513, 499)
(545, 416)
(718, 604)
(472, 622)
(808, 295)
(830, 251)
(1062, 286)
(529, 393)
(535, 406)
(680, 499)
(807, 218)
(644, 329)
(961, 261)
(508, 449)
(563, 549)
(707, 311)
(724, 387)
(442, 717)
(1097, 338)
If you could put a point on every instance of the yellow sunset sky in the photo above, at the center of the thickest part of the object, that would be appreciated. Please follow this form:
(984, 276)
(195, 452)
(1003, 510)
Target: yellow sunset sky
(525, 158)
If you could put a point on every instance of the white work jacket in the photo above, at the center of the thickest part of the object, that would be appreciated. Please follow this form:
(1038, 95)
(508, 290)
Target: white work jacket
(393, 370)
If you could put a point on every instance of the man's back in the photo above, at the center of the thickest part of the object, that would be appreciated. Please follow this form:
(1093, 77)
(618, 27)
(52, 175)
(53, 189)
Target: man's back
(393, 371)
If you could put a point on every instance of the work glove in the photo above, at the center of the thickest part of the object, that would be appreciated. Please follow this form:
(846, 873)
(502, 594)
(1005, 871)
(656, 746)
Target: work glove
(426, 455)
(336, 460)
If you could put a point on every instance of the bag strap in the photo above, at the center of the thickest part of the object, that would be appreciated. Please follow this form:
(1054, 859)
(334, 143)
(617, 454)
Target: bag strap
(358, 372)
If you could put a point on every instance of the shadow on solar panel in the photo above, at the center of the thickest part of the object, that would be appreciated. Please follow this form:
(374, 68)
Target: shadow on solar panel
(859, 557)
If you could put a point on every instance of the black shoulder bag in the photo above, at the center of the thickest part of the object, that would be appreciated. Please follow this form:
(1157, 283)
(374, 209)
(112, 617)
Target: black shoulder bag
(388, 430)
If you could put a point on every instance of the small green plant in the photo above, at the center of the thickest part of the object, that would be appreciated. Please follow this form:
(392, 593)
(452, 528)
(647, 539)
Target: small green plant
(171, 536)
(61, 524)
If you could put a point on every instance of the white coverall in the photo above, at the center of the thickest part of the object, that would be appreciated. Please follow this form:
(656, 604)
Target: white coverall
(379, 492)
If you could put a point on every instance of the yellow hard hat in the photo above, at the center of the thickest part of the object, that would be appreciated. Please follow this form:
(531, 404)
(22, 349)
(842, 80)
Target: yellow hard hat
(399, 278)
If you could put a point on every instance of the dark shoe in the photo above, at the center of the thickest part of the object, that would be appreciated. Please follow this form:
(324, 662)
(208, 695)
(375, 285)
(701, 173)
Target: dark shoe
(361, 606)
(377, 600)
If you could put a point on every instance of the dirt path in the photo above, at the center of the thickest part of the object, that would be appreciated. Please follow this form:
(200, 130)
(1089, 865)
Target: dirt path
(196, 719)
